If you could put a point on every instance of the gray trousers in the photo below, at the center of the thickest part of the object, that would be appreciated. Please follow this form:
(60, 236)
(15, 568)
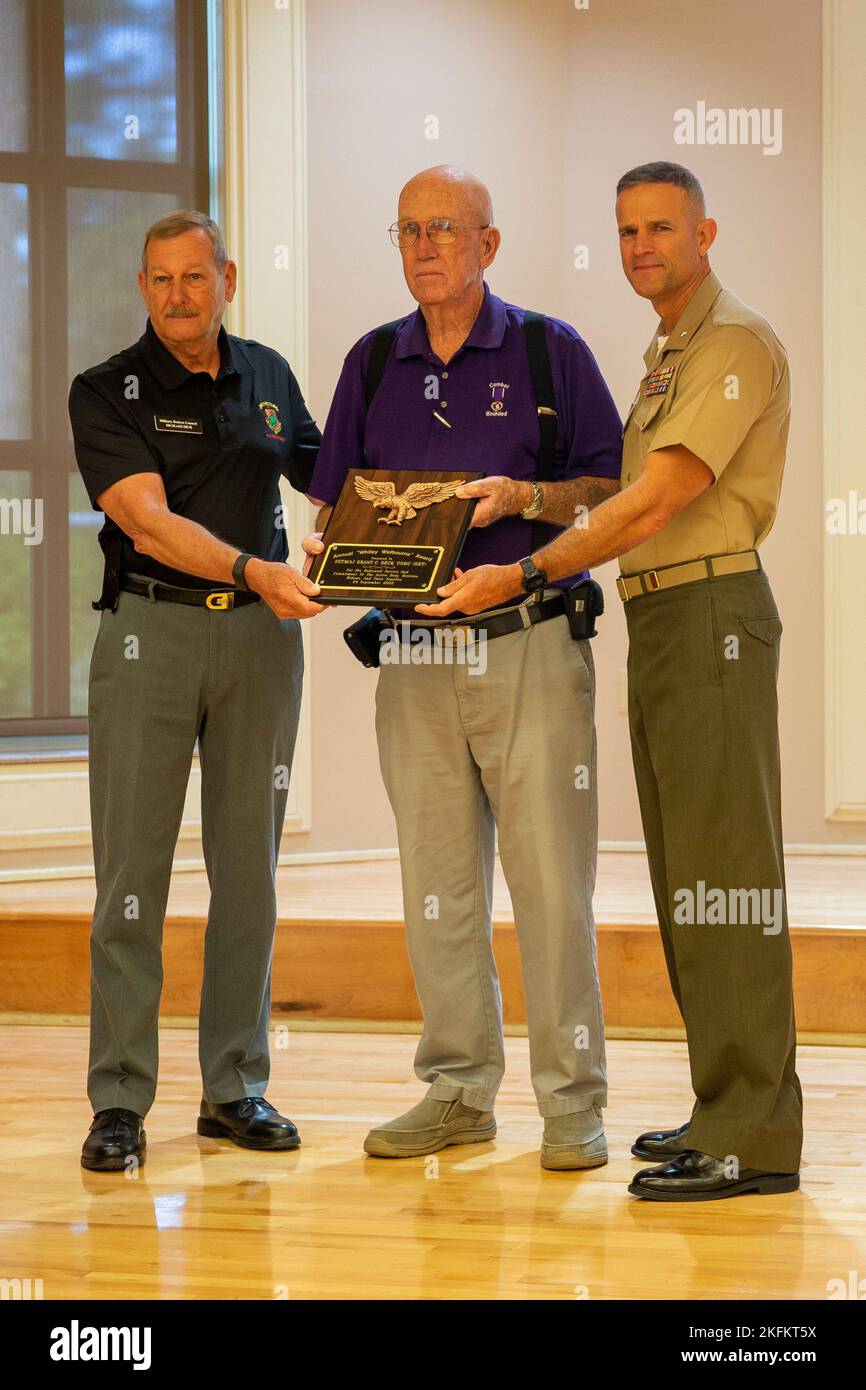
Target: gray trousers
(702, 668)
(161, 676)
(513, 748)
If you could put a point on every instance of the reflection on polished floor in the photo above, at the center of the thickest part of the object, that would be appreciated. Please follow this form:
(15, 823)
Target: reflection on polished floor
(207, 1220)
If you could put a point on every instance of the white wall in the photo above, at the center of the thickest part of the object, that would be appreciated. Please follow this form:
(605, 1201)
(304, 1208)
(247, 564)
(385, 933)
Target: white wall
(549, 105)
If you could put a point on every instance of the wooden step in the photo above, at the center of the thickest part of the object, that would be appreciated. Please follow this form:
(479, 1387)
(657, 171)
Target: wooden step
(340, 951)
(360, 970)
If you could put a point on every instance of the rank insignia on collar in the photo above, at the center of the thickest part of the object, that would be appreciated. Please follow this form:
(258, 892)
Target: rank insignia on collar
(271, 413)
(658, 381)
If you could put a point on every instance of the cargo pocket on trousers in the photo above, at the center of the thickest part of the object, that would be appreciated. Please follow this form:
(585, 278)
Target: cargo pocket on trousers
(767, 630)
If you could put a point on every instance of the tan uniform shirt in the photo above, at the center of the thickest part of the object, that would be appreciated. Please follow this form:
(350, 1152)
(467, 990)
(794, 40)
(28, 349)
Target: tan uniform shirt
(719, 385)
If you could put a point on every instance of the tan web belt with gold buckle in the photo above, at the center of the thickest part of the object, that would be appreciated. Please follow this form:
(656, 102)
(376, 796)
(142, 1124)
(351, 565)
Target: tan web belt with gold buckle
(670, 576)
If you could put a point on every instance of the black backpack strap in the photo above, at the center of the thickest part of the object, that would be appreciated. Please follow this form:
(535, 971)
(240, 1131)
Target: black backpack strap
(545, 404)
(380, 351)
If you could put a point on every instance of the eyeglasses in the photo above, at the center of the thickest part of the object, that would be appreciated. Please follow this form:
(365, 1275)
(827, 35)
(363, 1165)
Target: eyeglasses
(440, 230)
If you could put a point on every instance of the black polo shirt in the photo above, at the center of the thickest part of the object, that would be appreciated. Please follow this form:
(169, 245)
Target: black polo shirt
(220, 445)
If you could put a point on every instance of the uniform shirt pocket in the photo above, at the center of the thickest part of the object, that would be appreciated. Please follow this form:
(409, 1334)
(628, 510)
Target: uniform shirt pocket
(647, 411)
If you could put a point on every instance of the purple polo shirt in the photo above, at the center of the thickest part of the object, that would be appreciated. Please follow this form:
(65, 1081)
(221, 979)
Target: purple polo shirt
(485, 394)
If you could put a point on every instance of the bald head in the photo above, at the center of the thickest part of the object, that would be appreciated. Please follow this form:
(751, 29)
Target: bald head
(450, 273)
(463, 195)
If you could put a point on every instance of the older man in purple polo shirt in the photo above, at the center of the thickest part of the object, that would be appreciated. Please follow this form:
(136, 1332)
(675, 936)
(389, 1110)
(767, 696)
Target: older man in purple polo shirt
(464, 754)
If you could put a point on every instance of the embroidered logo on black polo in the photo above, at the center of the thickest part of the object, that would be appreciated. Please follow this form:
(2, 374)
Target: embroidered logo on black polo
(271, 413)
(658, 381)
(173, 424)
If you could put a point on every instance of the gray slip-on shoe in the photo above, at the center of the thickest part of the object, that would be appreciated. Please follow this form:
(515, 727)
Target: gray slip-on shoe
(575, 1140)
(429, 1126)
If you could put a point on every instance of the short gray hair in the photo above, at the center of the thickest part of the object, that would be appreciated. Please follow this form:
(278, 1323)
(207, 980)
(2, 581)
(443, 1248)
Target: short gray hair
(186, 220)
(662, 171)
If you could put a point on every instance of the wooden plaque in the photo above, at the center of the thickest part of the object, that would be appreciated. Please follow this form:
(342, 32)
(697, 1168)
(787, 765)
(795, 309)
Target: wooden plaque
(393, 538)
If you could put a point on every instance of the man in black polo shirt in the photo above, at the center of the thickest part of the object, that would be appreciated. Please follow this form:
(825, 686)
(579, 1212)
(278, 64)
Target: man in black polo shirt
(181, 440)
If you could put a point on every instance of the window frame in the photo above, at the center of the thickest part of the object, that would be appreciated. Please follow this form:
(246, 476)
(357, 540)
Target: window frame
(49, 172)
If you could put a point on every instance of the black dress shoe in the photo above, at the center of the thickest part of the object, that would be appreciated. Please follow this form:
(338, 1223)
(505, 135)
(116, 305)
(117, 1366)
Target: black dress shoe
(252, 1122)
(697, 1177)
(115, 1137)
(661, 1143)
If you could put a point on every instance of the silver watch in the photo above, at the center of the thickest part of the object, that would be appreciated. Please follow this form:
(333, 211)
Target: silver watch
(532, 511)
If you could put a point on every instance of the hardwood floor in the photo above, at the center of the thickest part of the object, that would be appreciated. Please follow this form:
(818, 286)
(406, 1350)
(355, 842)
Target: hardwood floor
(208, 1220)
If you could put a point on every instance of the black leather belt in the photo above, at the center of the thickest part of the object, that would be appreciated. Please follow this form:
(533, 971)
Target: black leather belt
(523, 615)
(216, 599)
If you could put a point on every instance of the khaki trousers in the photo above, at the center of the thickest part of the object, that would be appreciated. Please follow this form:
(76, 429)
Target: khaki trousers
(702, 670)
(463, 754)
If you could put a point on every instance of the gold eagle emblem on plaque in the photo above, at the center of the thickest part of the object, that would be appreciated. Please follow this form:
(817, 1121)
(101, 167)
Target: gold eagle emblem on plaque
(403, 506)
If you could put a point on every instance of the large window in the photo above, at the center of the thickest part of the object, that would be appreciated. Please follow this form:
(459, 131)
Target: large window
(103, 128)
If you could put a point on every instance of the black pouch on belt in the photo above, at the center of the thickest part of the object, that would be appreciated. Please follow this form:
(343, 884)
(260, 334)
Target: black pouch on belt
(584, 602)
(111, 543)
(362, 638)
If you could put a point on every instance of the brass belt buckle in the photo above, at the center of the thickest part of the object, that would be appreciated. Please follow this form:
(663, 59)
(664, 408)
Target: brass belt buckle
(622, 587)
(225, 599)
(652, 581)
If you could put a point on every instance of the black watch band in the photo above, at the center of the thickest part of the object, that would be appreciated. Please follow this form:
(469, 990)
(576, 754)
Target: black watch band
(533, 577)
(238, 570)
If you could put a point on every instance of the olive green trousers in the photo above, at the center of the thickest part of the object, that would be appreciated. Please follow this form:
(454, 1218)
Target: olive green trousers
(702, 671)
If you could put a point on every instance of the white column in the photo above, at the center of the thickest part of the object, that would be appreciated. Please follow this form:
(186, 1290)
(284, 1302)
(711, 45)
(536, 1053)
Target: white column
(844, 393)
(264, 196)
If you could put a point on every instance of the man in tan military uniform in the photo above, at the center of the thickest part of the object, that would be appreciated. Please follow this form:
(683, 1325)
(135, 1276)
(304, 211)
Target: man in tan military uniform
(703, 455)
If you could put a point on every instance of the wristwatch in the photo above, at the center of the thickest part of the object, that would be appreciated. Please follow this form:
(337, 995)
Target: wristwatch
(533, 577)
(238, 570)
(533, 510)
